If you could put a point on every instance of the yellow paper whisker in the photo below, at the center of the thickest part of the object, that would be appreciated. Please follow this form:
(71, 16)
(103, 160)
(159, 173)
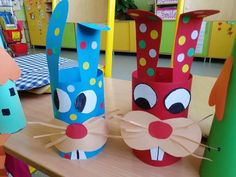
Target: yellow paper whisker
(190, 153)
(49, 134)
(93, 122)
(104, 135)
(57, 141)
(47, 125)
(134, 123)
(200, 144)
(133, 130)
(194, 123)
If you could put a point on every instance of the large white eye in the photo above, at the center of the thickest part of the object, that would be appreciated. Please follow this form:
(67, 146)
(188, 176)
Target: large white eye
(62, 100)
(144, 96)
(86, 101)
(177, 101)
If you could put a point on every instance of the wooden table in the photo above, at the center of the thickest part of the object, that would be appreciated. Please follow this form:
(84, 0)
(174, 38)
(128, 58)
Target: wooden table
(116, 159)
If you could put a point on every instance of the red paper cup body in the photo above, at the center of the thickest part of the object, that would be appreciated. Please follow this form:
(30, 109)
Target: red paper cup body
(164, 99)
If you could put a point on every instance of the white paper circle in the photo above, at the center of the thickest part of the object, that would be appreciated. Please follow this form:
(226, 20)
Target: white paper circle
(91, 101)
(94, 45)
(180, 57)
(143, 28)
(152, 53)
(194, 35)
(178, 96)
(146, 92)
(64, 101)
(70, 88)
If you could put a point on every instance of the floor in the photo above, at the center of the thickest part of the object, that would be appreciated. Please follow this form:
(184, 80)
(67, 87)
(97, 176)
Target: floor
(124, 64)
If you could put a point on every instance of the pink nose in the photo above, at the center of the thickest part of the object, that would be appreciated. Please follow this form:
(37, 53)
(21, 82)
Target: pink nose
(160, 130)
(76, 131)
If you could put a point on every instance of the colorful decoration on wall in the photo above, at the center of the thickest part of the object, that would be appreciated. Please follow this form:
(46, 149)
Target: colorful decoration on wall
(163, 92)
(78, 92)
(227, 27)
(222, 134)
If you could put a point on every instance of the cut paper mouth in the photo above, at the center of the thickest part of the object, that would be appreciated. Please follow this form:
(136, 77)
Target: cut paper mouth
(178, 137)
(157, 154)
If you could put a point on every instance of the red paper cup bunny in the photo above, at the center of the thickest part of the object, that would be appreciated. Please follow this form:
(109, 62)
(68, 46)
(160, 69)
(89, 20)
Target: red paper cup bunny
(163, 92)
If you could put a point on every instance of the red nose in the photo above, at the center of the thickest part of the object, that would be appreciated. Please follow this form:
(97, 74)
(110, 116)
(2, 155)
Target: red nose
(76, 131)
(160, 130)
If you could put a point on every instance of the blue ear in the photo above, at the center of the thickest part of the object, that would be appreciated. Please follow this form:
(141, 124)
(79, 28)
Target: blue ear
(54, 38)
(88, 49)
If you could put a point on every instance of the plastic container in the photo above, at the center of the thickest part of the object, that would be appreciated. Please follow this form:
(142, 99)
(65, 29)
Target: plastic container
(19, 49)
(12, 36)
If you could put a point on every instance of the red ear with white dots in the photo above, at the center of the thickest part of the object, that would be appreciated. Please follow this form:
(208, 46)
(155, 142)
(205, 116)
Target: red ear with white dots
(186, 40)
(148, 38)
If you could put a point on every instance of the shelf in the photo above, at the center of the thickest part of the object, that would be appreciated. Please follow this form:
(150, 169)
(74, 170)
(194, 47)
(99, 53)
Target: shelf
(166, 2)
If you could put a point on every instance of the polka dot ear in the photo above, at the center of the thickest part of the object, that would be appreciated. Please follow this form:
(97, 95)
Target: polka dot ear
(148, 36)
(53, 40)
(88, 50)
(186, 41)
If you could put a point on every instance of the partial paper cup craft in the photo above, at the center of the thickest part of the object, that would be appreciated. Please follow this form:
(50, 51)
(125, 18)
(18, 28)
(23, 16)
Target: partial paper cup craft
(12, 117)
(78, 92)
(163, 92)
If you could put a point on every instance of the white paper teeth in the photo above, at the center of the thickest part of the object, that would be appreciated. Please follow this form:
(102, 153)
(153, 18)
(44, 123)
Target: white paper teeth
(73, 155)
(82, 155)
(157, 154)
(78, 155)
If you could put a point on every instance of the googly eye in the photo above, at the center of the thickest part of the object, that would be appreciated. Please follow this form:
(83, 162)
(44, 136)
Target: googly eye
(86, 101)
(61, 100)
(144, 96)
(177, 101)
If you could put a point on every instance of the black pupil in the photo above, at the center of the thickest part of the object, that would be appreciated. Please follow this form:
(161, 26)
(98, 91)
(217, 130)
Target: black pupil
(6, 112)
(12, 91)
(143, 103)
(56, 99)
(80, 102)
(176, 108)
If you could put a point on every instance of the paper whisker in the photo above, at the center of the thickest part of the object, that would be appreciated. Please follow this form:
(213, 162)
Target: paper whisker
(57, 141)
(47, 135)
(47, 125)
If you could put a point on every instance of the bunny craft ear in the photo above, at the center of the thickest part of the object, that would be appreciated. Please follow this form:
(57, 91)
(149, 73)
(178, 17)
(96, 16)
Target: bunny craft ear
(219, 91)
(88, 49)
(54, 38)
(9, 70)
(186, 40)
(76, 91)
(148, 38)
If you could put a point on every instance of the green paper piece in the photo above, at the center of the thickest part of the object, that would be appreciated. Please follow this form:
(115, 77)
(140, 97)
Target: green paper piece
(12, 117)
(223, 136)
(142, 44)
(186, 19)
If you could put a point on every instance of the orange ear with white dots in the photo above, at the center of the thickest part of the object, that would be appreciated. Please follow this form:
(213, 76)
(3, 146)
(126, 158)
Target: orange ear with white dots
(148, 38)
(9, 70)
(186, 40)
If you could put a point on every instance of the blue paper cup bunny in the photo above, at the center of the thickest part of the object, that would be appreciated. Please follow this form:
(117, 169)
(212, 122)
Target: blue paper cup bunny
(78, 92)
